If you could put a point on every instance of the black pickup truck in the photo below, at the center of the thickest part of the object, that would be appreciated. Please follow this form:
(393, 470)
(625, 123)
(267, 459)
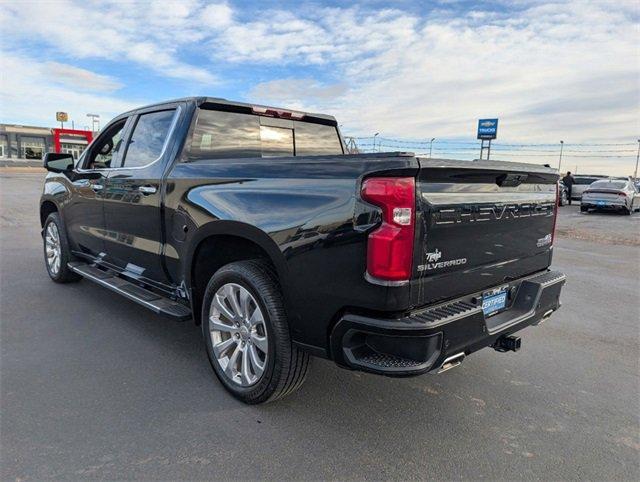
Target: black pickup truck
(253, 222)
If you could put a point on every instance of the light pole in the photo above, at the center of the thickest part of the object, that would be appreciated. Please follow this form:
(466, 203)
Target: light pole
(95, 119)
(431, 146)
(374, 141)
(635, 173)
(560, 161)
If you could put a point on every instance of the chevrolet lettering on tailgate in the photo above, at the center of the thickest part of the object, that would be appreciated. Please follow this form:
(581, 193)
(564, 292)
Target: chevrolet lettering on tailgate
(496, 212)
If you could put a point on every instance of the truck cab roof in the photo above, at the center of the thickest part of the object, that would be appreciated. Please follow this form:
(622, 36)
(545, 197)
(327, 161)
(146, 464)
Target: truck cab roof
(225, 104)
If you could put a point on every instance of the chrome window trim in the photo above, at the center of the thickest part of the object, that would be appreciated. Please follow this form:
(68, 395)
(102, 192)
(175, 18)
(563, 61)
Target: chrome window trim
(172, 127)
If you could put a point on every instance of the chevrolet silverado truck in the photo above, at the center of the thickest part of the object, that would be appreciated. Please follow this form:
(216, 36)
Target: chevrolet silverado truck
(253, 222)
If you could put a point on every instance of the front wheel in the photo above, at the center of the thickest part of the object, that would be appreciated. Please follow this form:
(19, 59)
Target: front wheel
(563, 198)
(246, 334)
(57, 252)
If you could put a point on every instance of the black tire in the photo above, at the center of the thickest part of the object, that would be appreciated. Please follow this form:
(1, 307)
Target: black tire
(286, 366)
(63, 274)
(584, 209)
(626, 212)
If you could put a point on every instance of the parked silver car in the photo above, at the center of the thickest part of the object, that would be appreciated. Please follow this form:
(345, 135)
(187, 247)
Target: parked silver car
(581, 183)
(612, 194)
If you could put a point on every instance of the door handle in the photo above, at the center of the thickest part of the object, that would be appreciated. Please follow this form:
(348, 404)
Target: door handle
(147, 189)
(97, 187)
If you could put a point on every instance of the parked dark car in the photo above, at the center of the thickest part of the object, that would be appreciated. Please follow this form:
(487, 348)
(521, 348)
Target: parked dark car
(252, 221)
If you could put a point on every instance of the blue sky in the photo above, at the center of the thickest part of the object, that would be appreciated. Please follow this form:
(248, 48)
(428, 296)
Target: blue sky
(411, 70)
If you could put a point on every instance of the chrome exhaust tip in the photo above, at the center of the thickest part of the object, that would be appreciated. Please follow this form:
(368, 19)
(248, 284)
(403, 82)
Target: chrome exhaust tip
(451, 362)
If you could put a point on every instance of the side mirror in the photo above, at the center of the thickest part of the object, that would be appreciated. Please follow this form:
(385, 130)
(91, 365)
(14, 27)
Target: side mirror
(55, 162)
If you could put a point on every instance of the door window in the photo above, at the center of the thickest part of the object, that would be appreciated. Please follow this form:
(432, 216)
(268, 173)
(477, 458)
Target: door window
(148, 138)
(106, 147)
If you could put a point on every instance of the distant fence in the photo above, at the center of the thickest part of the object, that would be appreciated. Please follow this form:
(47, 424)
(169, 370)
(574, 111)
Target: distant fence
(471, 149)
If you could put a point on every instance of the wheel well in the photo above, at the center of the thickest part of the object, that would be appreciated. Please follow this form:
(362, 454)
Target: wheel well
(46, 208)
(212, 254)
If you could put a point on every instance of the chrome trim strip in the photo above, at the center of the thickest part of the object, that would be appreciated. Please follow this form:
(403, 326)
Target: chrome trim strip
(382, 282)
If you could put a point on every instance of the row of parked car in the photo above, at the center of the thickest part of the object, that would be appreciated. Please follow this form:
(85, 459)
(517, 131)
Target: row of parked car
(601, 192)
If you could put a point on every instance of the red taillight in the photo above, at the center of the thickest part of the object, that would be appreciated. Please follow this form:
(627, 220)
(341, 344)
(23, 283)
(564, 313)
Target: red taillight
(623, 194)
(390, 246)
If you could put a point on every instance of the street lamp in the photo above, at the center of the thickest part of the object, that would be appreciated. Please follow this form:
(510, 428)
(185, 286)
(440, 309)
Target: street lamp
(95, 119)
(560, 161)
(374, 141)
(635, 174)
(431, 146)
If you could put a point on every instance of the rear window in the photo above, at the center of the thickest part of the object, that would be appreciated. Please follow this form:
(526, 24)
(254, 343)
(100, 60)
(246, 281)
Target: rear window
(608, 185)
(220, 135)
(585, 180)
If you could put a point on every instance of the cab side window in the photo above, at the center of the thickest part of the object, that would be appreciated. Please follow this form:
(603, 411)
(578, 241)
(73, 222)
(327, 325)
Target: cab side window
(148, 138)
(107, 147)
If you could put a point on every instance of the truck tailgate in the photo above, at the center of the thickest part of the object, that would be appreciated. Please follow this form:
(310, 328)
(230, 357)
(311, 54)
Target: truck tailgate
(480, 224)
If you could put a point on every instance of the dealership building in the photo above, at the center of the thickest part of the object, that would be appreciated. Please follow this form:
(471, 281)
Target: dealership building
(32, 142)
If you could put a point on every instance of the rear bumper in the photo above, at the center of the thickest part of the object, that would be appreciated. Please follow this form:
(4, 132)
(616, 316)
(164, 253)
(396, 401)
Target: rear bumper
(424, 339)
(604, 204)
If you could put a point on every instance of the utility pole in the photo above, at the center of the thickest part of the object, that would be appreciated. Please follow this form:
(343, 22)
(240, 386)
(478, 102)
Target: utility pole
(635, 173)
(431, 146)
(560, 161)
(374, 141)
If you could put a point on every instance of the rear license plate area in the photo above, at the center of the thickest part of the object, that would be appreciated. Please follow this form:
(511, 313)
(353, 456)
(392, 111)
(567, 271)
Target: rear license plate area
(494, 302)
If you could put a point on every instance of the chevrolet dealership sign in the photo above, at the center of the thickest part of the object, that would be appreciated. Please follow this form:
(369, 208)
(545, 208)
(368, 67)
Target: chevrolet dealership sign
(487, 128)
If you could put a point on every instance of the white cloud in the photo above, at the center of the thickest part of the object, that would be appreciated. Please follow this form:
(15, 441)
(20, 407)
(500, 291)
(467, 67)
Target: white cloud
(217, 15)
(30, 94)
(292, 91)
(550, 71)
(150, 34)
(78, 78)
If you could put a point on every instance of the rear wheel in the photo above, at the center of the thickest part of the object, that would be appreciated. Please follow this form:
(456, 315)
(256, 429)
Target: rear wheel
(246, 334)
(57, 252)
(584, 209)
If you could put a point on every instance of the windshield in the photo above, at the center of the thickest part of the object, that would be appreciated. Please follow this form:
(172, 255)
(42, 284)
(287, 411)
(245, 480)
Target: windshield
(219, 135)
(608, 185)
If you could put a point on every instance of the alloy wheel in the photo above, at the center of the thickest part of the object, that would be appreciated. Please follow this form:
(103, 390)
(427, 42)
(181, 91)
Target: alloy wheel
(52, 248)
(238, 334)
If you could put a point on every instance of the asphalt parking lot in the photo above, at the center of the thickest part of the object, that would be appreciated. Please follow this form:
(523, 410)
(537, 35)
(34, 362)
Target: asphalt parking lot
(95, 387)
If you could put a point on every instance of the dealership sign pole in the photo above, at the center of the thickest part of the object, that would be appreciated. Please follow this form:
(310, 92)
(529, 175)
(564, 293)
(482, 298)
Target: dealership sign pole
(62, 117)
(487, 130)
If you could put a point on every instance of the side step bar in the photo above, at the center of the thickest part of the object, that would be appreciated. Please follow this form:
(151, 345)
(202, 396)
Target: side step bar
(148, 299)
